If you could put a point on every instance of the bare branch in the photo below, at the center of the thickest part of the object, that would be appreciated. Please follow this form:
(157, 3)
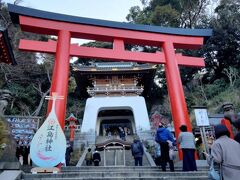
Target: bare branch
(38, 109)
(48, 75)
(232, 74)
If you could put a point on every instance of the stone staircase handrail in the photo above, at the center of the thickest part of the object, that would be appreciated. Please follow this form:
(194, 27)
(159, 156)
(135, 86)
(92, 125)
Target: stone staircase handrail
(149, 157)
(82, 158)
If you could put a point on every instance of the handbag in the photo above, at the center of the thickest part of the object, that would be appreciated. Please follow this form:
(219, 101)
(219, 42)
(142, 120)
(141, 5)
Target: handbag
(172, 154)
(213, 174)
(157, 150)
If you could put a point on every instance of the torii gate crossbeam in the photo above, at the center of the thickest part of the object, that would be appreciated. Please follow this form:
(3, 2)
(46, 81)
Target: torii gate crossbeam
(67, 27)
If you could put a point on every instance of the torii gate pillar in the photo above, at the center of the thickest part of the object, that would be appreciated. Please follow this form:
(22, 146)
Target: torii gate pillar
(175, 89)
(61, 74)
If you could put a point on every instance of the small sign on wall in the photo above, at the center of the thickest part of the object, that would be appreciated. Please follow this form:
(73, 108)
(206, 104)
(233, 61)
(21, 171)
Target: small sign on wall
(201, 117)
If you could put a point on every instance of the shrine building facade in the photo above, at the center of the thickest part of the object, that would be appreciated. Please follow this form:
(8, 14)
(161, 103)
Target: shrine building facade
(116, 99)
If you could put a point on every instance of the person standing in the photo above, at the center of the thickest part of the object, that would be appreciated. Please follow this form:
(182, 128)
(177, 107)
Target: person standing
(19, 152)
(68, 153)
(187, 144)
(88, 157)
(96, 158)
(122, 134)
(137, 151)
(225, 152)
(26, 151)
(163, 135)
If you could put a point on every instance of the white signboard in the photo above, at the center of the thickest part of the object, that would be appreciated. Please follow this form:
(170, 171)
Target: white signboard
(201, 117)
(48, 145)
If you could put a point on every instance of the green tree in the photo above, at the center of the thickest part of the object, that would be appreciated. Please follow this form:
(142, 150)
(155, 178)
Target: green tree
(28, 81)
(172, 13)
(223, 48)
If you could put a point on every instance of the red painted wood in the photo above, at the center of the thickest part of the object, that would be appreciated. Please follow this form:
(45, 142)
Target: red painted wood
(109, 54)
(71, 138)
(118, 44)
(175, 90)
(50, 27)
(61, 75)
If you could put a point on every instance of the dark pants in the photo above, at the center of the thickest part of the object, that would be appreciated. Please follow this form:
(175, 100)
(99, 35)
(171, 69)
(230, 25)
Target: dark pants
(164, 164)
(189, 163)
(88, 162)
(96, 163)
(138, 161)
(67, 160)
(165, 157)
(25, 159)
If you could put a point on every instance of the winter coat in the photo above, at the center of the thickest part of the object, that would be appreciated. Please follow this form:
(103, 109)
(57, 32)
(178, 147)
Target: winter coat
(163, 134)
(140, 151)
(186, 140)
(226, 151)
(88, 156)
(96, 156)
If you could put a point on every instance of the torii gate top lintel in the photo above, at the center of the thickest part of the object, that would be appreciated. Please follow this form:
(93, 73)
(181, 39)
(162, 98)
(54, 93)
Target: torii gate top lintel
(118, 33)
(16, 11)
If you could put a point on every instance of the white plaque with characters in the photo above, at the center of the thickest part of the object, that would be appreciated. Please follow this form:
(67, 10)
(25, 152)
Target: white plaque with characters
(201, 117)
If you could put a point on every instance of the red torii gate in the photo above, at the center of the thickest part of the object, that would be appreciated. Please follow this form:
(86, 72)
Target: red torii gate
(67, 27)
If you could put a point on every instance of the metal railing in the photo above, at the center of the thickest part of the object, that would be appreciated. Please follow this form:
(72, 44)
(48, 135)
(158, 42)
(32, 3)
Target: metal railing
(115, 89)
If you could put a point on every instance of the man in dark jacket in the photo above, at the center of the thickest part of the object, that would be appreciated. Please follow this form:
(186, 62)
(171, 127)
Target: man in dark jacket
(137, 151)
(163, 136)
(96, 158)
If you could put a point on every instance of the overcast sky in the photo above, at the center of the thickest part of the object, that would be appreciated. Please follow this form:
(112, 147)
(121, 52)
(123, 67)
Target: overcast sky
(115, 10)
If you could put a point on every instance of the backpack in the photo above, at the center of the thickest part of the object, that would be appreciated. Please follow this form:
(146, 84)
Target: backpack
(136, 148)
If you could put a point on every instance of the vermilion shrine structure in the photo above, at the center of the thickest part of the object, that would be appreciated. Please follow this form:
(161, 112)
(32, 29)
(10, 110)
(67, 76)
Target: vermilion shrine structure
(6, 54)
(66, 27)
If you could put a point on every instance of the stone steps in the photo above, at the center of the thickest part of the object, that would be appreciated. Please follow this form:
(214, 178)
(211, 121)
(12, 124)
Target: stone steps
(120, 168)
(133, 178)
(117, 173)
(123, 173)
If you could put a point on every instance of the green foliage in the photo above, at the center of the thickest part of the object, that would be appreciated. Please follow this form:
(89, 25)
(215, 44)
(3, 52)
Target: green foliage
(7, 144)
(3, 131)
(165, 16)
(24, 100)
(136, 15)
(229, 95)
(213, 96)
(223, 48)
(215, 88)
(75, 104)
